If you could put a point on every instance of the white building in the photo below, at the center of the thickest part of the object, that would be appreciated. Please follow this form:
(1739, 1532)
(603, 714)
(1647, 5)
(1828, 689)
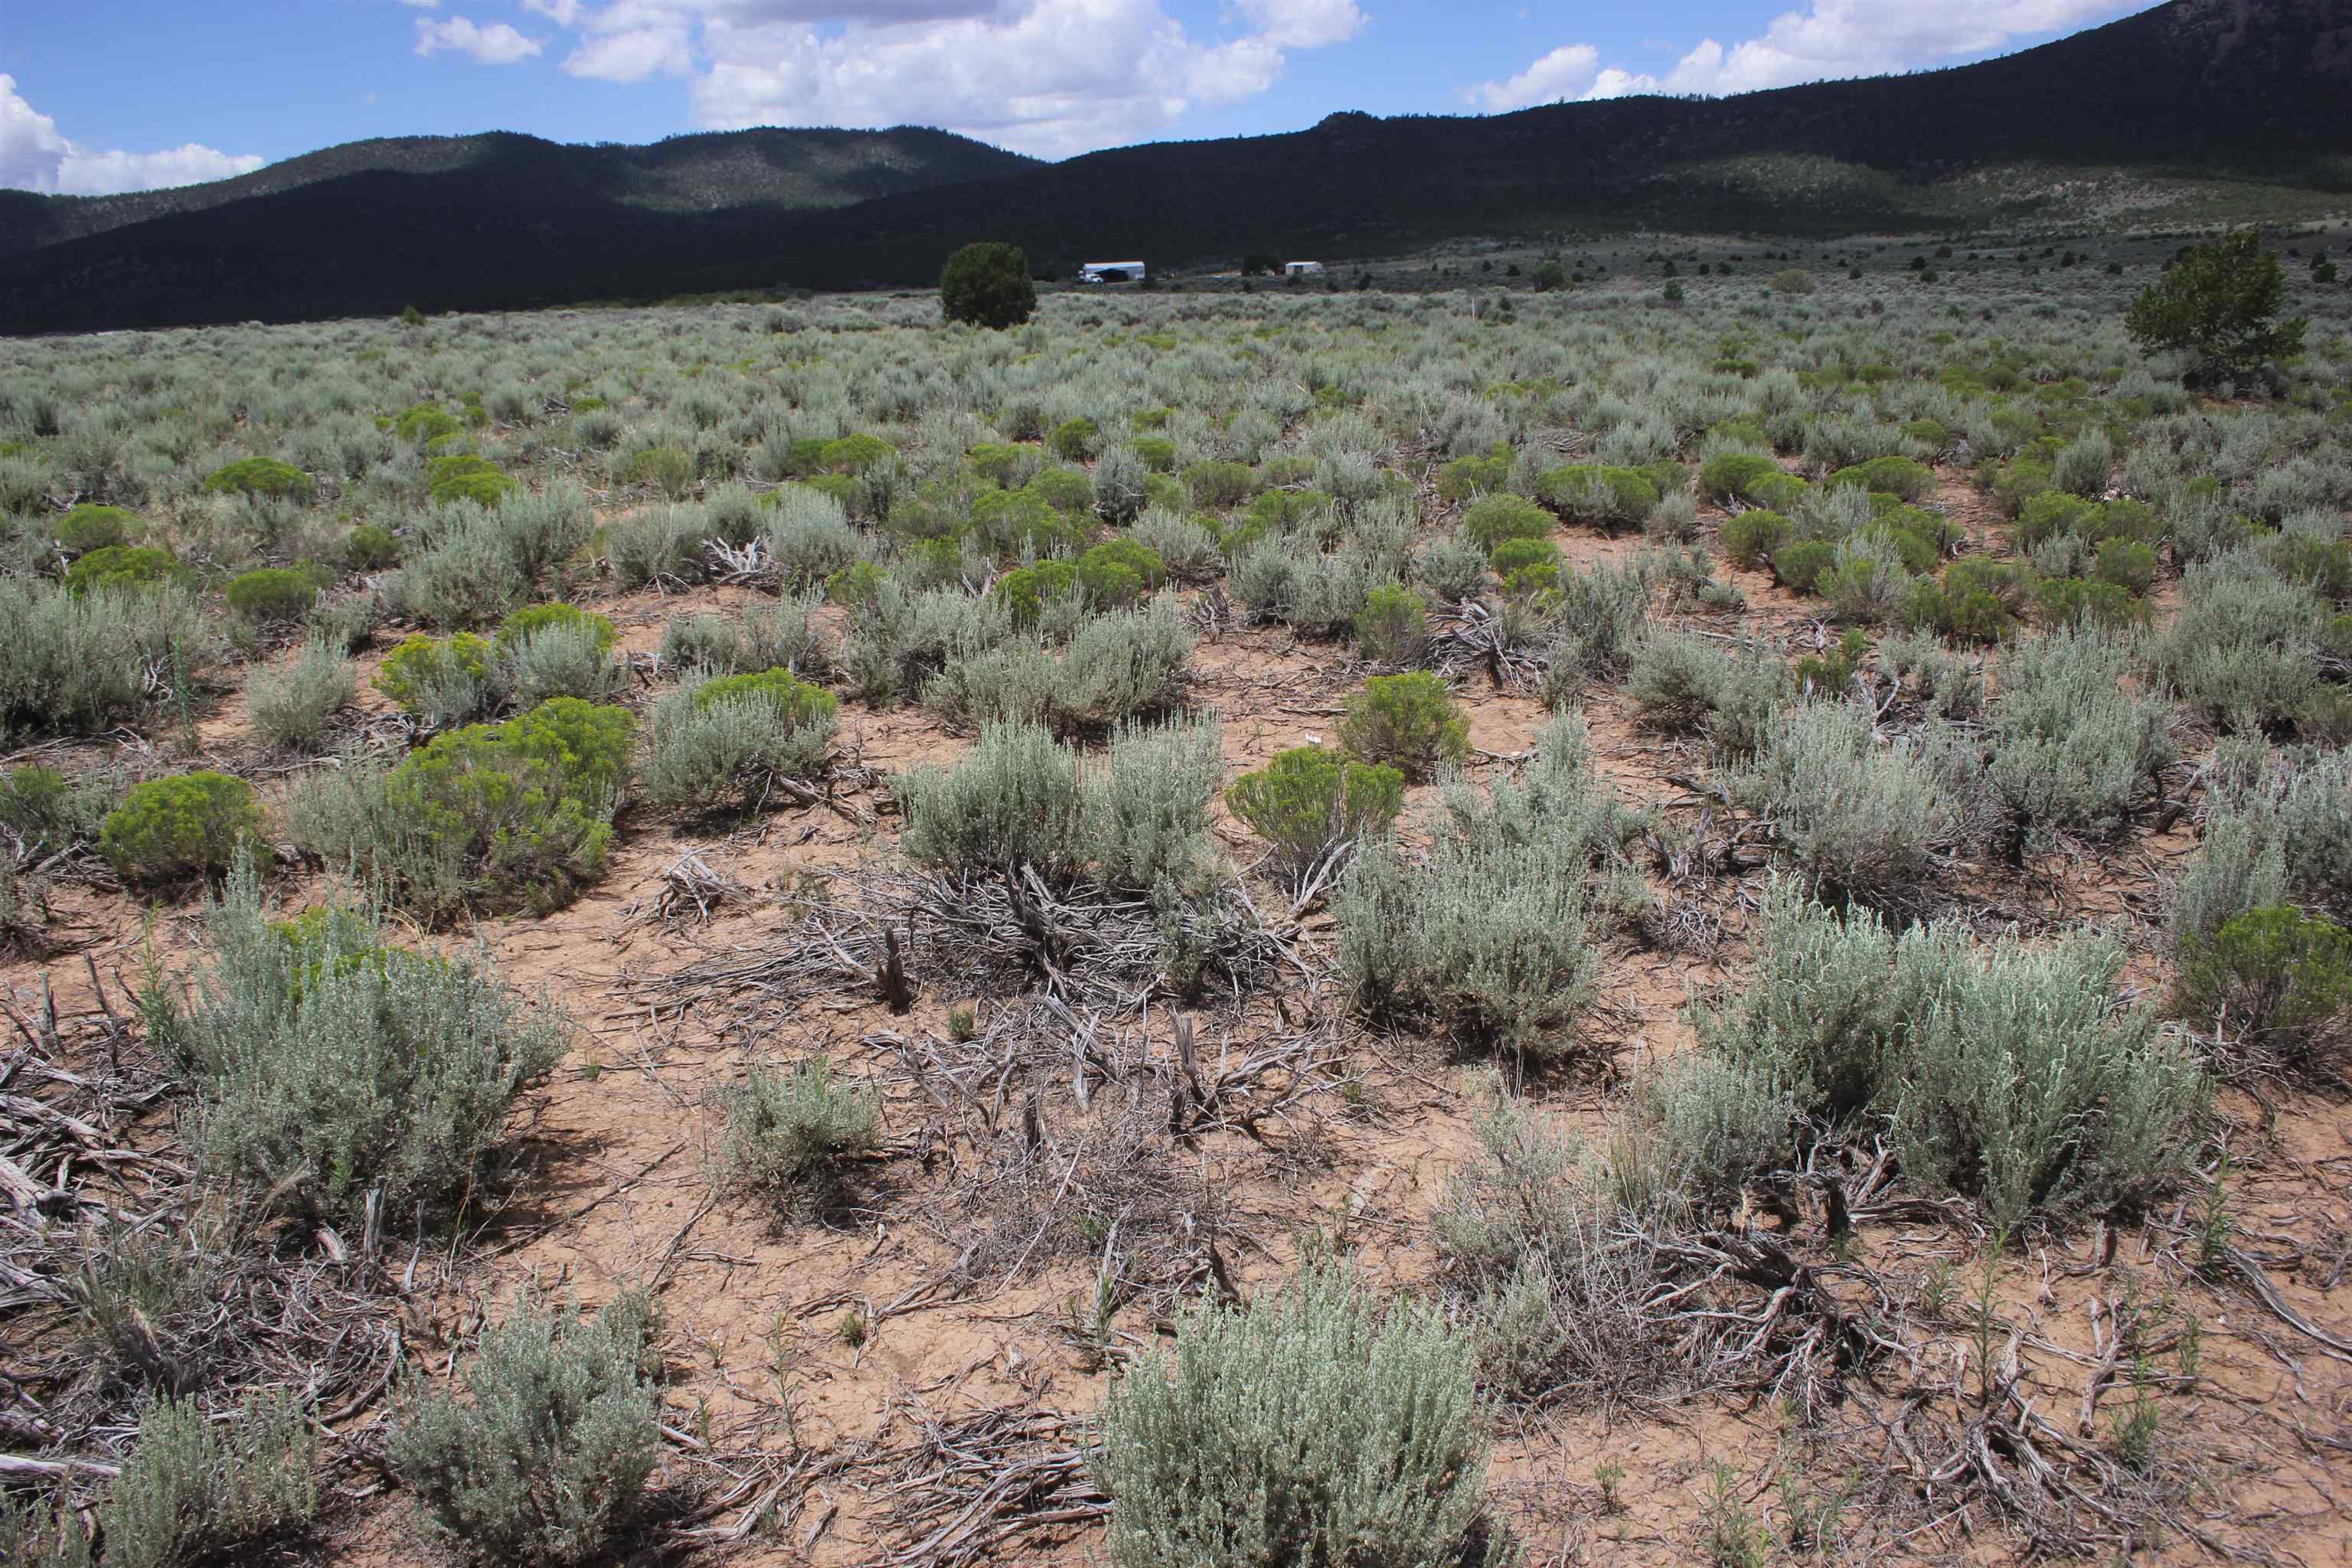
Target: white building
(1302, 269)
(1111, 272)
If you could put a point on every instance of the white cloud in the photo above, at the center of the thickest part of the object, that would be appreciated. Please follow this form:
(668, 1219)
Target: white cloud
(1830, 38)
(1565, 72)
(422, 4)
(1053, 77)
(495, 45)
(35, 157)
(633, 55)
(1304, 24)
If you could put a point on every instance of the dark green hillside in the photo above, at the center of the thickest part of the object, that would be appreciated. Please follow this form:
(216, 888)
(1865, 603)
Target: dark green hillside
(781, 170)
(2215, 91)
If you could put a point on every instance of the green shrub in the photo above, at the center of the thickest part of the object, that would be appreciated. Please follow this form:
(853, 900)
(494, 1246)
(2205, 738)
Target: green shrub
(124, 567)
(260, 477)
(1749, 538)
(1527, 567)
(543, 1460)
(1120, 571)
(187, 825)
(1728, 475)
(1409, 720)
(91, 526)
(1157, 453)
(987, 284)
(793, 1135)
(1393, 626)
(1979, 600)
(1611, 496)
(2130, 565)
(724, 743)
(1306, 1428)
(272, 594)
(2077, 602)
(1027, 591)
(669, 471)
(422, 424)
(1220, 486)
(464, 477)
(521, 625)
(1466, 477)
(1801, 564)
(2019, 1079)
(2052, 514)
(1782, 492)
(290, 705)
(195, 1490)
(1078, 440)
(1887, 476)
(442, 680)
(2274, 984)
(1062, 489)
(1492, 521)
(488, 817)
(43, 813)
(1314, 806)
(329, 1065)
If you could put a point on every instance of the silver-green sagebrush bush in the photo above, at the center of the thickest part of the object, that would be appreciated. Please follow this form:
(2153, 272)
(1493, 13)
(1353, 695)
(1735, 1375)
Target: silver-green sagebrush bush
(2073, 748)
(1145, 818)
(721, 744)
(544, 1461)
(329, 1065)
(2020, 1076)
(290, 705)
(1137, 820)
(1307, 1427)
(1487, 934)
(1014, 801)
(1534, 1236)
(1856, 815)
(193, 1490)
(1117, 667)
(792, 1135)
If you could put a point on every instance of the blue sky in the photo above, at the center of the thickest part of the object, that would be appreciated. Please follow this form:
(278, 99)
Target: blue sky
(101, 95)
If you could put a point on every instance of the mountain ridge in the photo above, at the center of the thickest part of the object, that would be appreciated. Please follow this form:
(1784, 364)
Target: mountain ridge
(2236, 90)
(783, 167)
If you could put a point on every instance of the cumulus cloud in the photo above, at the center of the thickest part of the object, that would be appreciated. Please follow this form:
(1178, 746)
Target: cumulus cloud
(1565, 72)
(1830, 38)
(34, 156)
(1051, 76)
(632, 55)
(497, 44)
